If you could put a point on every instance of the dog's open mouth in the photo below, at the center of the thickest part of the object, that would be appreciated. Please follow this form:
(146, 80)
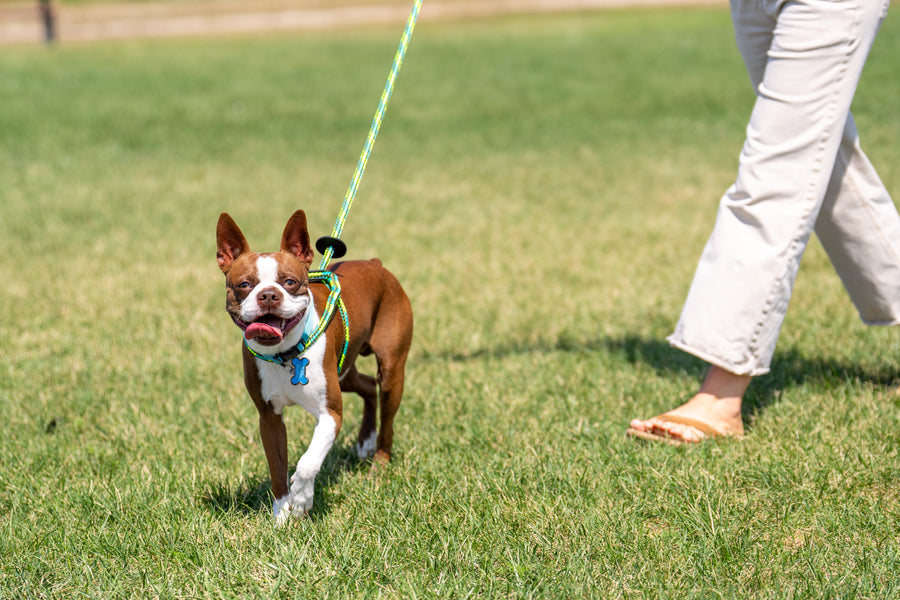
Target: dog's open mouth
(268, 329)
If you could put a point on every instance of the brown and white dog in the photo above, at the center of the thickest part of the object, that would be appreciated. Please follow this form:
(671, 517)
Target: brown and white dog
(270, 298)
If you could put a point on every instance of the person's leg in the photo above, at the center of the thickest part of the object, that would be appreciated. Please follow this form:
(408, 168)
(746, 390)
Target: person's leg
(859, 227)
(744, 279)
(743, 282)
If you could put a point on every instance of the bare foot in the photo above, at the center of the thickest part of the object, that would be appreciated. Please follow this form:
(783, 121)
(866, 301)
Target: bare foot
(714, 411)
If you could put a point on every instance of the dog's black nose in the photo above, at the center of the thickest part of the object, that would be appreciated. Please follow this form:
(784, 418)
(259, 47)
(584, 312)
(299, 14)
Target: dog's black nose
(269, 297)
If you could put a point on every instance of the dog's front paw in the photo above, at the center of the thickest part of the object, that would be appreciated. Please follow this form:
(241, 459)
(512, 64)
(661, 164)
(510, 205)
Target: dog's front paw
(281, 509)
(302, 492)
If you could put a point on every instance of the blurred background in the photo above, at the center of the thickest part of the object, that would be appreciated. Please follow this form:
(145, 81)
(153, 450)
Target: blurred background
(53, 21)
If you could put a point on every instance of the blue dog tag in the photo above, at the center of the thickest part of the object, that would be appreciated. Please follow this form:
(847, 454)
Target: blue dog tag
(300, 371)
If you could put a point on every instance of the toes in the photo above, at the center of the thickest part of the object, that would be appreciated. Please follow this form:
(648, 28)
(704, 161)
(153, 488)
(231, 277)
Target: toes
(677, 431)
(638, 425)
(663, 427)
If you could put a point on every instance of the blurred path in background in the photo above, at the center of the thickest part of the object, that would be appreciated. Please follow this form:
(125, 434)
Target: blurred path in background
(20, 22)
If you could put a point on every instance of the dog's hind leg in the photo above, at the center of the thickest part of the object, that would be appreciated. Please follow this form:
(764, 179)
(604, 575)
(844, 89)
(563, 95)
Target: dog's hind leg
(390, 383)
(390, 341)
(364, 385)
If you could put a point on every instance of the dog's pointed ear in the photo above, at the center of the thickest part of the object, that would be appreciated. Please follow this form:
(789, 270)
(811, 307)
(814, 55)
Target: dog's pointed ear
(230, 242)
(295, 238)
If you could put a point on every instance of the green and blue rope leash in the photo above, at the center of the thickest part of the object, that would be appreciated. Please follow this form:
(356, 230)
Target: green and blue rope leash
(332, 246)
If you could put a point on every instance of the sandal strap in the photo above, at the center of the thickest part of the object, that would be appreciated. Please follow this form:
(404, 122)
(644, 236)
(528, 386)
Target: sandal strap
(701, 426)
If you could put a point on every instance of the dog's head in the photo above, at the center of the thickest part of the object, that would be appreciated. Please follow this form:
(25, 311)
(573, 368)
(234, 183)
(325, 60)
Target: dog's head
(266, 295)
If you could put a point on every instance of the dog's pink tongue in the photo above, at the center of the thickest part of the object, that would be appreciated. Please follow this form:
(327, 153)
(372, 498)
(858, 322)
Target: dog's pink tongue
(263, 330)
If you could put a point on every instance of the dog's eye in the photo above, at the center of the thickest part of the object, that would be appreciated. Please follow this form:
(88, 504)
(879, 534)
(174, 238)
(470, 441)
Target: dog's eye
(244, 285)
(290, 282)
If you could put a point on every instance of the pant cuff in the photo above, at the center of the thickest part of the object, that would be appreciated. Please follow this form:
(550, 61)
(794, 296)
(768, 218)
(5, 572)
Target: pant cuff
(713, 360)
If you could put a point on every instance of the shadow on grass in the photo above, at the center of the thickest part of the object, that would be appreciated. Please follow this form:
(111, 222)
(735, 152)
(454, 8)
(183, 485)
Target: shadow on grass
(790, 368)
(247, 497)
(251, 496)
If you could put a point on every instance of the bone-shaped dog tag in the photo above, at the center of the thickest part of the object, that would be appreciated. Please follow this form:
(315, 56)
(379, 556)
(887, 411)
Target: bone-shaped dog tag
(299, 365)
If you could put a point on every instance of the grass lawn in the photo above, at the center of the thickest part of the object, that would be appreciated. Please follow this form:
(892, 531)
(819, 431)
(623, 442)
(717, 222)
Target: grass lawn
(543, 187)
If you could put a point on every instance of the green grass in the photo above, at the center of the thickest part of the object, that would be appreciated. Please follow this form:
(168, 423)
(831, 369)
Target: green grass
(543, 187)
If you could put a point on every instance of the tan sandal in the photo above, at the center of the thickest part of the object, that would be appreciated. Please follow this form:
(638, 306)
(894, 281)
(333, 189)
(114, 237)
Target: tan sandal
(706, 429)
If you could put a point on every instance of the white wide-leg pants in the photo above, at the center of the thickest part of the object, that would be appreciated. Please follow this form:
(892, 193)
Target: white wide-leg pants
(801, 169)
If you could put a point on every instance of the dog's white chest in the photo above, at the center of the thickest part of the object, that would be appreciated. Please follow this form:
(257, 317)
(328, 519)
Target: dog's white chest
(302, 385)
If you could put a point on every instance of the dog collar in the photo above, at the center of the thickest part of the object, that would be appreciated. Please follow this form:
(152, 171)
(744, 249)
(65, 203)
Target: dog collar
(283, 358)
(312, 331)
